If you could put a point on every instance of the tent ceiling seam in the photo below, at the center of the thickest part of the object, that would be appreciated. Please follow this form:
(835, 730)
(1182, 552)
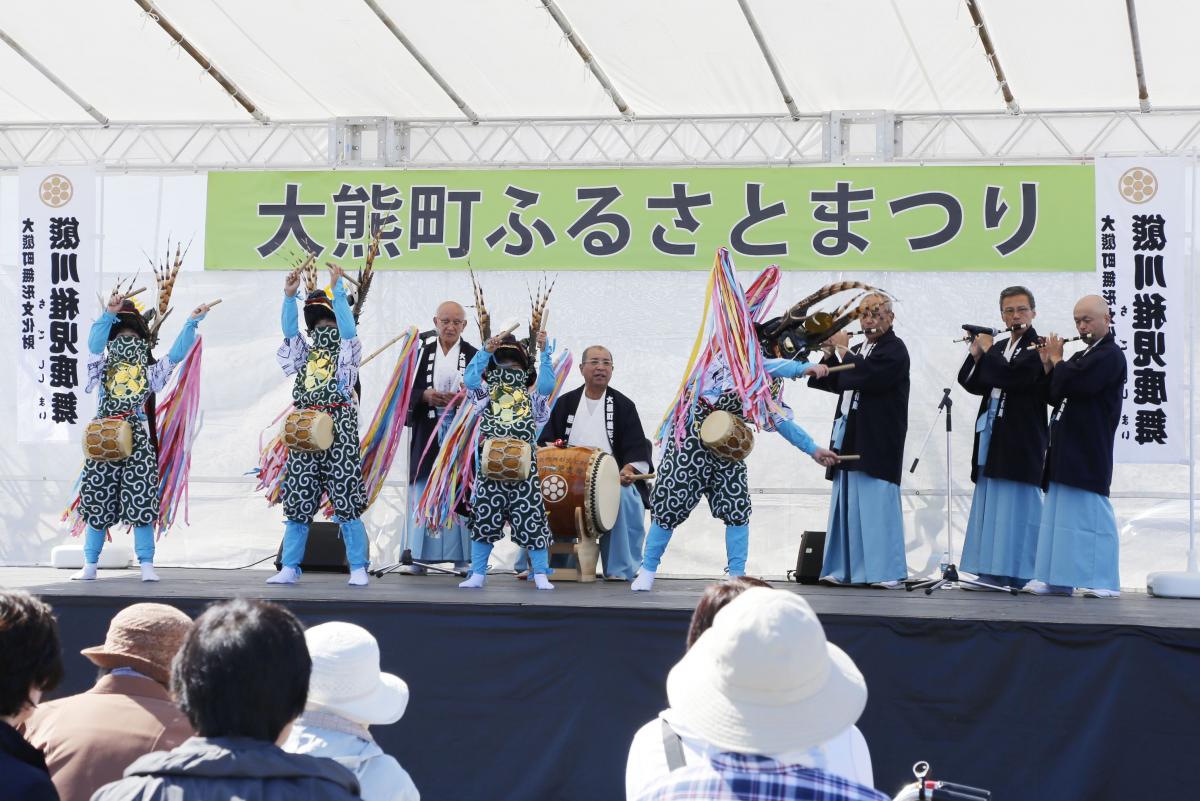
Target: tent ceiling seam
(254, 43)
(912, 46)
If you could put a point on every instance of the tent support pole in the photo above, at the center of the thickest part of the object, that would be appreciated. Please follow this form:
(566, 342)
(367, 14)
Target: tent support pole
(205, 64)
(989, 49)
(54, 79)
(770, 58)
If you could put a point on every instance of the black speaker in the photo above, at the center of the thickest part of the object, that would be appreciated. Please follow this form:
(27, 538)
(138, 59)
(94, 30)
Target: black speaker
(811, 557)
(324, 551)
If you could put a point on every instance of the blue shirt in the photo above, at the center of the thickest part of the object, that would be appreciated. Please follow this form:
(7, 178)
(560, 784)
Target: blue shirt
(748, 777)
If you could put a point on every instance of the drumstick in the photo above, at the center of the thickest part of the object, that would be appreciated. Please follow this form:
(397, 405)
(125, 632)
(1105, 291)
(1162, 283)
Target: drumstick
(848, 457)
(387, 345)
(840, 367)
(642, 476)
(508, 331)
(345, 274)
(214, 303)
(135, 292)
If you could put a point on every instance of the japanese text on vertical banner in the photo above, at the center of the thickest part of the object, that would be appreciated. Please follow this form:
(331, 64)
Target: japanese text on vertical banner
(821, 218)
(1140, 211)
(57, 283)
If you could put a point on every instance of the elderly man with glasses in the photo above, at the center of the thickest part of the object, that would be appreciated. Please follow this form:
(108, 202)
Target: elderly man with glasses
(865, 539)
(439, 376)
(597, 416)
(1010, 446)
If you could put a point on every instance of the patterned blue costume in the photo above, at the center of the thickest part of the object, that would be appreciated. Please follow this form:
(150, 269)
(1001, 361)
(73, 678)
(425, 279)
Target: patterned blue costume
(326, 370)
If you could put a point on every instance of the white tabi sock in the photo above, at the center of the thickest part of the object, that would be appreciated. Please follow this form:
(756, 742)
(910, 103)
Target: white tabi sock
(542, 582)
(87, 574)
(644, 581)
(148, 573)
(475, 581)
(286, 575)
(358, 577)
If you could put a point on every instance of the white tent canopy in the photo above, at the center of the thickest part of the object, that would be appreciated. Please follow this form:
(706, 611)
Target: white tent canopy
(319, 59)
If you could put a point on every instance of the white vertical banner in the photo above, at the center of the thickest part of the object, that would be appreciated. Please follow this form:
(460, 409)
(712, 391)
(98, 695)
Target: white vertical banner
(1140, 226)
(56, 301)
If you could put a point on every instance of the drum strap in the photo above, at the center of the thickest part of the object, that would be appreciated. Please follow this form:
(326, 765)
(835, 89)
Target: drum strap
(326, 407)
(673, 746)
(121, 415)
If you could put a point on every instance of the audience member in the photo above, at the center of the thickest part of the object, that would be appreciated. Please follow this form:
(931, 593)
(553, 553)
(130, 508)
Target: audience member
(659, 747)
(241, 678)
(346, 694)
(754, 699)
(89, 738)
(30, 664)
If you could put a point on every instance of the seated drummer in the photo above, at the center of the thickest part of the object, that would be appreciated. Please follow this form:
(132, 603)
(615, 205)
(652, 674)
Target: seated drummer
(597, 416)
(515, 404)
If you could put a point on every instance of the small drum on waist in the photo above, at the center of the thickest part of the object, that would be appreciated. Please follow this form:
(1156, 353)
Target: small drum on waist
(727, 436)
(309, 430)
(108, 439)
(505, 459)
(576, 477)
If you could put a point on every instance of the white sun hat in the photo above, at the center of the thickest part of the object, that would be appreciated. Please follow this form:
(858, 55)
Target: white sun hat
(346, 679)
(763, 679)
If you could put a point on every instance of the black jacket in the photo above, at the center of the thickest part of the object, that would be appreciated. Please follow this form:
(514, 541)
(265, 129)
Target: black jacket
(423, 418)
(625, 432)
(1085, 392)
(877, 426)
(23, 772)
(1018, 448)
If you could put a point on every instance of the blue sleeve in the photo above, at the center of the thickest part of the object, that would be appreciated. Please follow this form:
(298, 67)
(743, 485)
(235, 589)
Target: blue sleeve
(183, 342)
(546, 377)
(473, 376)
(341, 310)
(290, 320)
(786, 368)
(98, 338)
(796, 435)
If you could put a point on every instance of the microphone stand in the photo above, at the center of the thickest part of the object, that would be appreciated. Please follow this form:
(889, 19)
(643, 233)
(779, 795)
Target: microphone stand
(407, 559)
(949, 575)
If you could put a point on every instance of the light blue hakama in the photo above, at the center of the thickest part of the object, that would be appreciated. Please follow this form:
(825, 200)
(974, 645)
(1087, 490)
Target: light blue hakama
(1002, 532)
(1077, 543)
(620, 549)
(435, 544)
(865, 539)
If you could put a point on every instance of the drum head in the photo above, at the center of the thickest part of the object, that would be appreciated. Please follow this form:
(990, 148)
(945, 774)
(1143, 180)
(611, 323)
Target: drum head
(715, 427)
(606, 488)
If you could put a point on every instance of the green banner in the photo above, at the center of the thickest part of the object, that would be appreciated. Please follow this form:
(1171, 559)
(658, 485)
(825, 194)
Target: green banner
(801, 218)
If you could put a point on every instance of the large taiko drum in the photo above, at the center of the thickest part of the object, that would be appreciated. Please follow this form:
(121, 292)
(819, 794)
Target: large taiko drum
(506, 459)
(579, 478)
(727, 435)
(108, 439)
(308, 430)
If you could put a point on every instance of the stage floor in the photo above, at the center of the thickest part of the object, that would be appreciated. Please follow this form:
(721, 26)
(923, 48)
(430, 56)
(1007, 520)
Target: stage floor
(1131, 609)
(520, 694)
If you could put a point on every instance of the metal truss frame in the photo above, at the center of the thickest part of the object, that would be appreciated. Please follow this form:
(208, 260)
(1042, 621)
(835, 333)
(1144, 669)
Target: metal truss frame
(870, 136)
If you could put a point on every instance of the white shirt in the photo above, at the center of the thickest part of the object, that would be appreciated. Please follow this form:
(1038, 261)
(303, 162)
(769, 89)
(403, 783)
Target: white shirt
(845, 755)
(446, 375)
(1010, 348)
(589, 429)
(847, 402)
